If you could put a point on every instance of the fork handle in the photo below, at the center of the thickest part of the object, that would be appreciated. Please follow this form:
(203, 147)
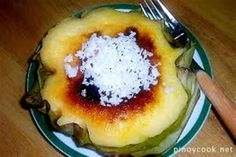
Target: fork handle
(224, 107)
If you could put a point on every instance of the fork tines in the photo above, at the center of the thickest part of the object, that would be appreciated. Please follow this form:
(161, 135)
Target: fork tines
(155, 10)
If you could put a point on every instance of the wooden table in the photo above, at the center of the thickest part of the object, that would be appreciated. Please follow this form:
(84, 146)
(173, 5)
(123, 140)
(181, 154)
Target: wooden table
(23, 23)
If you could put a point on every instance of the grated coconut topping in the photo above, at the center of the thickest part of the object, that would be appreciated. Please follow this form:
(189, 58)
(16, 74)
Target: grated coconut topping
(70, 70)
(117, 66)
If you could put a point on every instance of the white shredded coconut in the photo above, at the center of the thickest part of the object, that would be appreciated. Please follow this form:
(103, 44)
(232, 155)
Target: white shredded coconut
(70, 70)
(68, 59)
(83, 93)
(117, 66)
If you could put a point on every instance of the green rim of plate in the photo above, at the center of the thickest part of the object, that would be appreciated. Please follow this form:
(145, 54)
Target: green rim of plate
(42, 125)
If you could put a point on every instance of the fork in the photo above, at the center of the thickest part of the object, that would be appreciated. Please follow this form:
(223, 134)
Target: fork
(155, 10)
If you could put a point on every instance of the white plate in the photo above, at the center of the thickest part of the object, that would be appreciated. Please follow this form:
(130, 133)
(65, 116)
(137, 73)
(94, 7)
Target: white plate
(68, 147)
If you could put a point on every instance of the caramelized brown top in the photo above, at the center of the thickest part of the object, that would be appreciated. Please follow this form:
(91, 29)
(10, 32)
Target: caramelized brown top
(132, 106)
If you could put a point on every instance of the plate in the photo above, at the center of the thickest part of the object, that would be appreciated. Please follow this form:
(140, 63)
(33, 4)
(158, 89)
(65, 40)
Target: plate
(67, 146)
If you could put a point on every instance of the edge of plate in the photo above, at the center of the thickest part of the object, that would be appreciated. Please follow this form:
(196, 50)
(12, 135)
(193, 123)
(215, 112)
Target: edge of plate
(206, 106)
(38, 118)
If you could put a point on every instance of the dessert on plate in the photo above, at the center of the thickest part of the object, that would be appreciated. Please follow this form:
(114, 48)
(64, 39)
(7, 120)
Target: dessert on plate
(113, 81)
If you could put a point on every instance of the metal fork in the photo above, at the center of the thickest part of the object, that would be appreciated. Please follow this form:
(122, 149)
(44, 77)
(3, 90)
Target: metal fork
(155, 10)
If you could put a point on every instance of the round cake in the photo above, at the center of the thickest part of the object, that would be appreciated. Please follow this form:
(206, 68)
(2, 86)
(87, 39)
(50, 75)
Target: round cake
(110, 80)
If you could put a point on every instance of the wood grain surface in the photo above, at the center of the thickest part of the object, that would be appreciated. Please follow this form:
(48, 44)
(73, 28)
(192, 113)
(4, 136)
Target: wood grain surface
(23, 23)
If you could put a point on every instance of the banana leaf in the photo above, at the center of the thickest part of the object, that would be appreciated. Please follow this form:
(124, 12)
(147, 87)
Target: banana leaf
(154, 145)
